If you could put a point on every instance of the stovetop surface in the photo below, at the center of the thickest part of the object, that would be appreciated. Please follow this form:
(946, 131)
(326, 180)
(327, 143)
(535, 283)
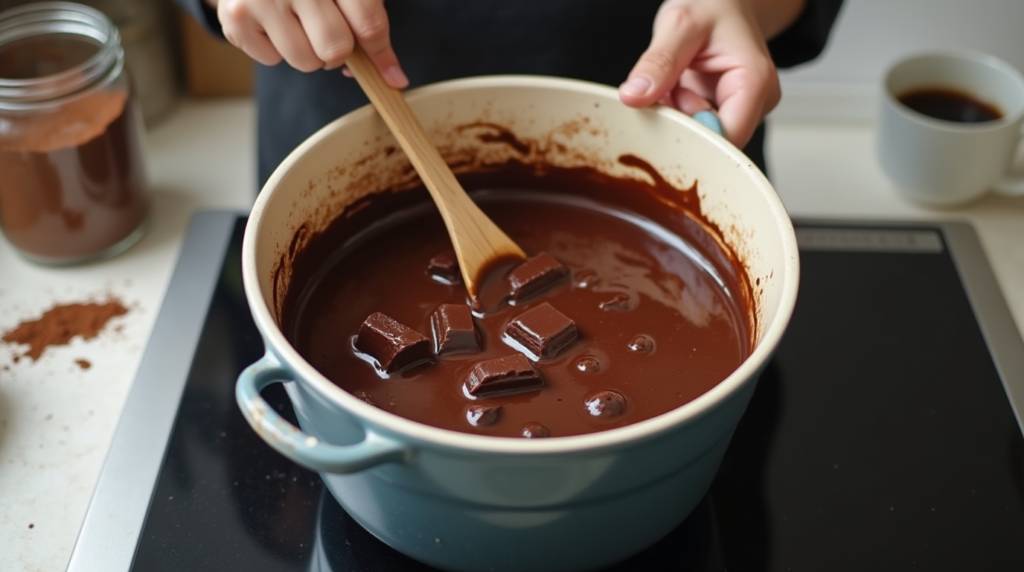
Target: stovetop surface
(880, 437)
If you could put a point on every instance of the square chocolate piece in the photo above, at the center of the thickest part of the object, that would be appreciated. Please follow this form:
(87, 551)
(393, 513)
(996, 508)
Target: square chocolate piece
(395, 346)
(445, 268)
(483, 415)
(454, 329)
(503, 376)
(535, 275)
(542, 330)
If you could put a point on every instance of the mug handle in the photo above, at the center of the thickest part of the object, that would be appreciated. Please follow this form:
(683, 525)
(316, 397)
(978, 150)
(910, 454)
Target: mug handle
(1011, 186)
(290, 441)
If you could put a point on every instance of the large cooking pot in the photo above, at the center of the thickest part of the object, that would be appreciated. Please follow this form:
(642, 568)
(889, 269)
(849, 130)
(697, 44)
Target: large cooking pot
(469, 502)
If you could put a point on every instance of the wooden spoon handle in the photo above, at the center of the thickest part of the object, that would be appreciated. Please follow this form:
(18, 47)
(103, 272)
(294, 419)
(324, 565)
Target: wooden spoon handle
(477, 241)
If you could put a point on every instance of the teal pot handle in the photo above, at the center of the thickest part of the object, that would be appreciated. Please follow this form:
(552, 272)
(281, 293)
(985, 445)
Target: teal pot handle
(290, 441)
(709, 119)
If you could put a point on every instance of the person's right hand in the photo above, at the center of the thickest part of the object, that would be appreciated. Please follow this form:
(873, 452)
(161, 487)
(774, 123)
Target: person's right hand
(713, 54)
(311, 34)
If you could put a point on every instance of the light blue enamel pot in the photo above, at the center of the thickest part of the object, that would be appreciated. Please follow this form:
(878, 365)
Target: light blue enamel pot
(468, 502)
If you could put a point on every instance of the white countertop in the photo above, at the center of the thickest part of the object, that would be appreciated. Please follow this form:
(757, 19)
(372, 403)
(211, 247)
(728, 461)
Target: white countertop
(57, 419)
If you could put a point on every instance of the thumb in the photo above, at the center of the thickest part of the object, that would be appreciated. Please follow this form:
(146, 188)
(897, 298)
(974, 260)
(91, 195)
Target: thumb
(676, 39)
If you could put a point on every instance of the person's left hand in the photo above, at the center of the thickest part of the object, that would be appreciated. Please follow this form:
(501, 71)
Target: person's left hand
(707, 54)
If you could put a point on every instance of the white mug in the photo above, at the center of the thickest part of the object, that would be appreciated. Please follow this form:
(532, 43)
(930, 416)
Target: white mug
(941, 162)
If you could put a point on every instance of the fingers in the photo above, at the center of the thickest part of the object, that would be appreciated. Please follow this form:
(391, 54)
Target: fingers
(677, 37)
(311, 34)
(707, 54)
(746, 96)
(268, 32)
(244, 32)
(329, 35)
(369, 23)
(744, 90)
(688, 101)
(288, 36)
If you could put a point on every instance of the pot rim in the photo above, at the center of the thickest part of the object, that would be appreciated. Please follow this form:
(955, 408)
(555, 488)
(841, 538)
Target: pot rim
(371, 417)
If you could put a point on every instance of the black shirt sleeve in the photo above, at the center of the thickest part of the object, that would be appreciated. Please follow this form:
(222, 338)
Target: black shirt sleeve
(806, 38)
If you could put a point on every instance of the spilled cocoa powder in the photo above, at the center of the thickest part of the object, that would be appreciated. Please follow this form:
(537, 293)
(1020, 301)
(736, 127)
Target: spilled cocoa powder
(62, 323)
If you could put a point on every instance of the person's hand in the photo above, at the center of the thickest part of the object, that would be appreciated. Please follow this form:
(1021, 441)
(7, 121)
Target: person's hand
(712, 54)
(311, 34)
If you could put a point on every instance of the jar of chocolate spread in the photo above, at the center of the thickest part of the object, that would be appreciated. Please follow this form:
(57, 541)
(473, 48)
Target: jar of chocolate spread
(72, 175)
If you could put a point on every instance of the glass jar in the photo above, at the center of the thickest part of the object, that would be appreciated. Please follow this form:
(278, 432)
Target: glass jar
(73, 184)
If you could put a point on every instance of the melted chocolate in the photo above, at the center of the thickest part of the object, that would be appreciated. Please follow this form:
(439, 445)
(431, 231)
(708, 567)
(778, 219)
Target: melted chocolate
(662, 314)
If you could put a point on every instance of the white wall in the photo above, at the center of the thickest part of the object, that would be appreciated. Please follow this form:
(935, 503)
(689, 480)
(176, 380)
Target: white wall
(843, 84)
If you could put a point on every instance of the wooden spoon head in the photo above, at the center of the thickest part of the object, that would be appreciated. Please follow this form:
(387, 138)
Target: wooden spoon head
(478, 242)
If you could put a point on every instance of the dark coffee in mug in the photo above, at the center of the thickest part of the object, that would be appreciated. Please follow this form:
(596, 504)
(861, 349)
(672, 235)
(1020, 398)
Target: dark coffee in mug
(950, 105)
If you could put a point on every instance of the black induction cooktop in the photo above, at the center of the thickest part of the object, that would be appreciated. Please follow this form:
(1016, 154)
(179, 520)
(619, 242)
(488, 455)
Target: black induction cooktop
(882, 436)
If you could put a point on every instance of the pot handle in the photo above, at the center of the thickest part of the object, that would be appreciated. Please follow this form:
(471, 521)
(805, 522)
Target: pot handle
(290, 441)
(709, 119)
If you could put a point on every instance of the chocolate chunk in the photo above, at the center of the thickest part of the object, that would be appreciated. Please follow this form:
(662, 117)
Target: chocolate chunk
(542, 330)
(535, 275)
(618, 303)
(587, 278)
(395, 346)
(502, 376)
(534, 430)
(605, 404)
(445, 268)
(641, 343)
(483, 415)
(454, 330)
(588, 364)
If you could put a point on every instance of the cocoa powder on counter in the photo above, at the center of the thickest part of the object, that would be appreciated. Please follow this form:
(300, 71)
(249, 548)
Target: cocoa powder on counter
(62, 323)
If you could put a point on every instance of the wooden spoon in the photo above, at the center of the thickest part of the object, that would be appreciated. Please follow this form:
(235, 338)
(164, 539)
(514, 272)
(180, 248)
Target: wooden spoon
(479, 243)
